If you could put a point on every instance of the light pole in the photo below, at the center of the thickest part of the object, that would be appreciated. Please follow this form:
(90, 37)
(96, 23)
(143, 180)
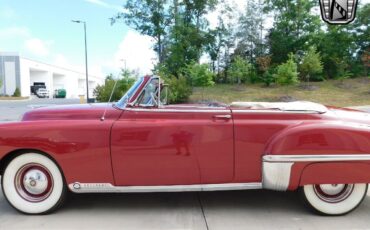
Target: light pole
(87, 74)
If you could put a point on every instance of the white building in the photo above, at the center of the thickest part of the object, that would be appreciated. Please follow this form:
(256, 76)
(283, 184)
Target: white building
(22, 73)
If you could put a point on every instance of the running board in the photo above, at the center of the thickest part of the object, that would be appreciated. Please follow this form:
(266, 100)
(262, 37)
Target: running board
(109, 188)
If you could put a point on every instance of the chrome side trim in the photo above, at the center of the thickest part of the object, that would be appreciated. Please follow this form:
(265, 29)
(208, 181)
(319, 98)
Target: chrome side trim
(321, 158)
(276, 176)
(164, 110)
(274, 111)
(109, 188)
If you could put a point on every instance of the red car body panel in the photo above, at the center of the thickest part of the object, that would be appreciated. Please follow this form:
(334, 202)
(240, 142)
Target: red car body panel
(168, 148)
(190, 144)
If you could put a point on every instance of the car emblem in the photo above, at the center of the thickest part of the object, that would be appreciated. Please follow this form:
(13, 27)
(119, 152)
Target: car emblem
(338, 11)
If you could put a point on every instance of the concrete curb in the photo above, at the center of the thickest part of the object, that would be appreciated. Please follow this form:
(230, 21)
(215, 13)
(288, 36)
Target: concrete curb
(22, 100)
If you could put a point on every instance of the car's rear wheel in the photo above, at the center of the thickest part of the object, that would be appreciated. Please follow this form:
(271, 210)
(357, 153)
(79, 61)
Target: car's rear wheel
(33, 184)
(333, 199)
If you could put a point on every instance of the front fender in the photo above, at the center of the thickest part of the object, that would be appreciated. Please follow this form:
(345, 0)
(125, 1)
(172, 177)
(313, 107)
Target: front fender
(80, 147)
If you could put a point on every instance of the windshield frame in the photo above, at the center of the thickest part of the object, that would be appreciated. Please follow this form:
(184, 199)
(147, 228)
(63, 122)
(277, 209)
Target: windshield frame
(121, 104)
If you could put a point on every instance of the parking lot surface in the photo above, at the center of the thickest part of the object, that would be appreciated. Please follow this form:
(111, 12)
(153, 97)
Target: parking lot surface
(254, 209)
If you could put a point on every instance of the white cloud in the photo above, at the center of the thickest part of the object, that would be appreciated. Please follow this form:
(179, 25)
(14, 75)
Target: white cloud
(105, 5)
(38, 47)
(137, 51)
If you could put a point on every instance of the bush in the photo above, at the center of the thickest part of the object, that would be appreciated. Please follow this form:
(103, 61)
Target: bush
(17, 92)
(103, 92)
(311, 64)
(199, 74)
(238, 70)
(179, 89)
(268, 78)
(287, 73)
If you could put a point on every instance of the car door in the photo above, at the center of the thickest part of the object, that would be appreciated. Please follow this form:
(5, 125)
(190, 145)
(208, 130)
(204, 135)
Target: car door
(172, 145)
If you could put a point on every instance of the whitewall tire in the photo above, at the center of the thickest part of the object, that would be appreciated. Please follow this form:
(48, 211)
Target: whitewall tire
(334, 199)
(33, 184)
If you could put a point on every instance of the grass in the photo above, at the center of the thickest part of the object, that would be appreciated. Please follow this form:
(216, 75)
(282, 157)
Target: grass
(349, 92)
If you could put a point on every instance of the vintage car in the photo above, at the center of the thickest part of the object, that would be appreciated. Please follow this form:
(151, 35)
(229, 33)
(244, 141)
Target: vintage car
(142, 144)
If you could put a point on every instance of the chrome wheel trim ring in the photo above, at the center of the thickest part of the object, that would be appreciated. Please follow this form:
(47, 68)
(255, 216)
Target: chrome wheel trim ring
(333, 193)
(33, 182)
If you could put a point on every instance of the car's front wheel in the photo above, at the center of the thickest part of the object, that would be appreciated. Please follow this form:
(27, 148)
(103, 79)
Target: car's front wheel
(33, 184)
(333, 199)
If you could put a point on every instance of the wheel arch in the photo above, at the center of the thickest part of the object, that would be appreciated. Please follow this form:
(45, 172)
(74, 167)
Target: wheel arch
(7, 158)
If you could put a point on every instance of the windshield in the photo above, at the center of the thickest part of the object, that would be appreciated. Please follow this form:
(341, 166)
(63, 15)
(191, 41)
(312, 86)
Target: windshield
(122, 102)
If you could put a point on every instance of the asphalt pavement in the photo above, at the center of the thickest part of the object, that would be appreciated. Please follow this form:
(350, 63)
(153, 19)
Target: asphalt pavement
(254, 209)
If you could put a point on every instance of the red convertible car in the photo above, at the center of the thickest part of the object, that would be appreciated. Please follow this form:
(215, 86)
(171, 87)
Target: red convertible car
(142, 144)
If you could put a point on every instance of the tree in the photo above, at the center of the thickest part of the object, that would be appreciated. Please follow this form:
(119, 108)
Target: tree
(337, 48)
(287, 73)
(189, 35)
(103, 92)
(311, 64)
(239, 69)
(199, 74)
(264, 63)
(149, 17)
(294, 27)
(249, 31)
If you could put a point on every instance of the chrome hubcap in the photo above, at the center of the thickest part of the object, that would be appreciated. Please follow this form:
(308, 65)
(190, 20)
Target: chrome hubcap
(333, 193)
(33, 183)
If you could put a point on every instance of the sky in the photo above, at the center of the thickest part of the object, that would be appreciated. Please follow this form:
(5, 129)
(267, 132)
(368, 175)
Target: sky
(42, 30)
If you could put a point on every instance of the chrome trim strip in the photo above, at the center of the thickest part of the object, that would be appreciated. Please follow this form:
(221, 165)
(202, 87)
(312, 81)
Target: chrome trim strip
(322, 158)
(274, 111)
(164, 110)
(109, 188)
(276, 176)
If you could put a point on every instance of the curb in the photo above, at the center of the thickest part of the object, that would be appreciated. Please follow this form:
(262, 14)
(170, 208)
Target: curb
(28, 99)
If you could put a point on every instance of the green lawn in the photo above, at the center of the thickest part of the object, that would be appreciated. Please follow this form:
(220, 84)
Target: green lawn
(350, 92)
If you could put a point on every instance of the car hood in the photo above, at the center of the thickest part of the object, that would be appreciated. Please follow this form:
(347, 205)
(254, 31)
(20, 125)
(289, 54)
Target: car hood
(73, 112)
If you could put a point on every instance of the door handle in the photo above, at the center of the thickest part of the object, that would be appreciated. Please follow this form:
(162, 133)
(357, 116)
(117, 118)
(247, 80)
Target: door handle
(223, 117)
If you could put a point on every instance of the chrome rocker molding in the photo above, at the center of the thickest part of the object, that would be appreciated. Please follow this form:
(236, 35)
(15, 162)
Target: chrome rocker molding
(109, 188)
(276, 169)
(322, 158)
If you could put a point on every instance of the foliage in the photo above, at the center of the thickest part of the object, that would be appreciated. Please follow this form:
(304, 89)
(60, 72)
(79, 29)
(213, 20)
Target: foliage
(17, 93)
(179, 89)
(287, 73)
(268, 78)
(199, 74)
(249, 31)
(239, 70)
(240, 49)
(103, 92)
(149, 17)
(264, 63)
(294, 26)
(311, 63)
